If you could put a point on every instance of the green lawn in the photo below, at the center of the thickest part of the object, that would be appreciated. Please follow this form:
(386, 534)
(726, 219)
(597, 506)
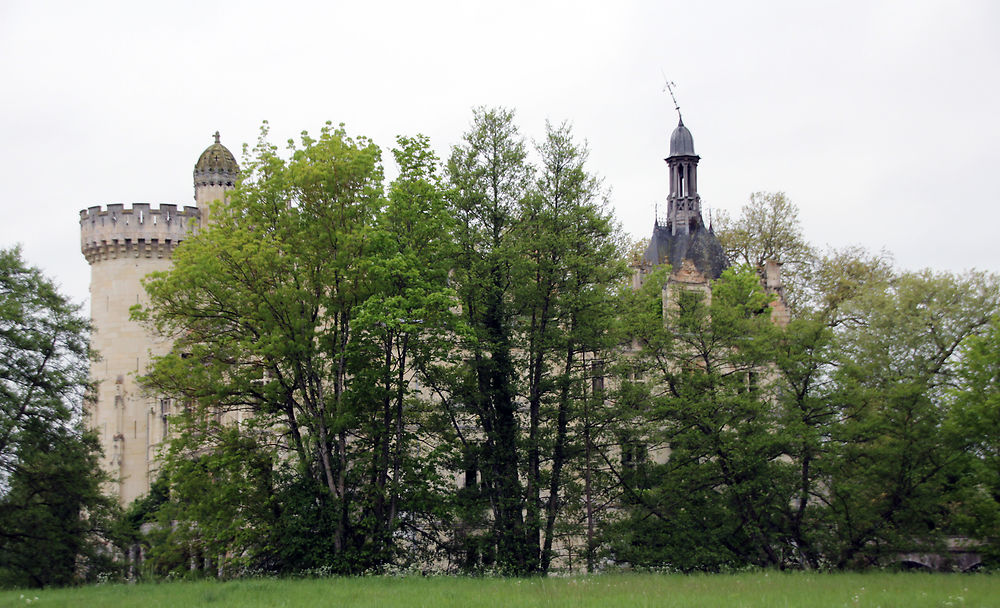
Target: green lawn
(904, 590)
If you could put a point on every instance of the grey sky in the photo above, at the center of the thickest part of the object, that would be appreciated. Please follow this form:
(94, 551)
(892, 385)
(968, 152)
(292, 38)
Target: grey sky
(879, 119)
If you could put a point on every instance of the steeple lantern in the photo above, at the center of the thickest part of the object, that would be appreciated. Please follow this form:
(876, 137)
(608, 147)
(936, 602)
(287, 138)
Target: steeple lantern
(683, 202)
(681, 238)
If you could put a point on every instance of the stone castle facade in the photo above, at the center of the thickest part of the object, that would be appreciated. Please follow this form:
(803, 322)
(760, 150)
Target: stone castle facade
(122, 245)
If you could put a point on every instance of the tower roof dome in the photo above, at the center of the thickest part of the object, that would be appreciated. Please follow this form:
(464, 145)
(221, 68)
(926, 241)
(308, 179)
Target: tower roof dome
(217, 158)
(216, 166)
(681, 142)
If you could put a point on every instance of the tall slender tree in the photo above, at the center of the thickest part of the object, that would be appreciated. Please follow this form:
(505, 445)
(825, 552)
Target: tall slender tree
(573, 257)
(538, 254)
(491, 178)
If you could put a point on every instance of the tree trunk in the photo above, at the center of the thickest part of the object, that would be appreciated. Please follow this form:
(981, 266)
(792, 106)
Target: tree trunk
(558, 458)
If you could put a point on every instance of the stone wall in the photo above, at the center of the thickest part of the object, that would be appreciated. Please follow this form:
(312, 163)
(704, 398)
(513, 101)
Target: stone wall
(141, 231)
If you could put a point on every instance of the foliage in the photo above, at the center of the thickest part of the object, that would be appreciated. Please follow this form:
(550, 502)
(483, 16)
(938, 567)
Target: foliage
(711, 494)
(293, 317)
(44, 356)
(53, 517)
(767, 228)
(537, 255)
(858, 445)
(832, 282)
(307, 317)
(974, 421)
(879, 473)
(347, 355)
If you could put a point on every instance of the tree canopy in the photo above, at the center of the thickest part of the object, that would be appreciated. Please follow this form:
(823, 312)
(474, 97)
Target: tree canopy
(453, 370)
(860, 443)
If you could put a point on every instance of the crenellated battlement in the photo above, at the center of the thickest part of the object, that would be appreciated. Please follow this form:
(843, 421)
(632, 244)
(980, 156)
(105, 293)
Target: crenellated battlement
(139, 231)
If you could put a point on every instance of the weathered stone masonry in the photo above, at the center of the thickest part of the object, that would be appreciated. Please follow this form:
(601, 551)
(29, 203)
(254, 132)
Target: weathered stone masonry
(123, 245)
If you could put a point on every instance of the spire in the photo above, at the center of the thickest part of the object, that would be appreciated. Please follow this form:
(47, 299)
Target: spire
(681, 142)
(683, 202)
(681, 237)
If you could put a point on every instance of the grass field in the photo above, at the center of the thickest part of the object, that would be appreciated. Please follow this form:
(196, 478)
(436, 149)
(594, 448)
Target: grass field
(903, 590)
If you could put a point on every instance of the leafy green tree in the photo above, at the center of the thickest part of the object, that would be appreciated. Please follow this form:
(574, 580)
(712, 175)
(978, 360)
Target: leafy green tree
(715, 490)
(974, 420)
(845, 447)
(537, 256)
(767, 228)
(57, 524)
(861, 375)
(832, 282)
(806, 400)
(44, 358)
(491, 178)
(809, 397)
(572, 253)
(894, 469)
(406, 325)
(53, 517)
(294, 316)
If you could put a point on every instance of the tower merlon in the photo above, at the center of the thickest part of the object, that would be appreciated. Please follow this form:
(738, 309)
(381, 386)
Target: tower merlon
(141, 230)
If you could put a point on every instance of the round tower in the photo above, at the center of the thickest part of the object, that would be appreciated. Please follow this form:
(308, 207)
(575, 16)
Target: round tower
(215, 174)
(123, 245)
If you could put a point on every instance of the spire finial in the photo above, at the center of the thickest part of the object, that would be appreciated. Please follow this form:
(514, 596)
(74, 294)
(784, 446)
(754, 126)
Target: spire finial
(217, 137)
(669, 86)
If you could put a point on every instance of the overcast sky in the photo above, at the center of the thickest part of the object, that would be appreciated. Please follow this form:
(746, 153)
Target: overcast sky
(878, 119)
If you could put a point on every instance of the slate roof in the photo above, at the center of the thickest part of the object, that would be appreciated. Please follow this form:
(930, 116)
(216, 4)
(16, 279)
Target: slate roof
(681, 141)
(700, 245)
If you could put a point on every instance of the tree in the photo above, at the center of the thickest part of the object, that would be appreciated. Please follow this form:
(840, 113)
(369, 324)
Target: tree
(849, 446)
(491, 177)
(974, 419)
(537, 256)
(53, 517)
(715, 490)
(894, 469)
(294, 316)
(809, 397)
(768, 228)
(406, 325)
(832, 282)
(573, 257)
